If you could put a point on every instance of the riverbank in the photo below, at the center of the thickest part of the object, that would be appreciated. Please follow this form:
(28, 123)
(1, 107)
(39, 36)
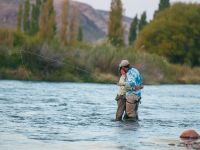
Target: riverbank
(179, 75)
(88, 63)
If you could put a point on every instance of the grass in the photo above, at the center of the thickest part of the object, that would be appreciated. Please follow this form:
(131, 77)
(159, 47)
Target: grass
(89, 63)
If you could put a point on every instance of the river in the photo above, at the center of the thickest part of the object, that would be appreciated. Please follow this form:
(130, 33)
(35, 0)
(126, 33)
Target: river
(74, 116)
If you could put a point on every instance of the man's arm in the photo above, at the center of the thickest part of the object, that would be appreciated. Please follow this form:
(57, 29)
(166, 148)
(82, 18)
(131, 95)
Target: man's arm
(136, 88)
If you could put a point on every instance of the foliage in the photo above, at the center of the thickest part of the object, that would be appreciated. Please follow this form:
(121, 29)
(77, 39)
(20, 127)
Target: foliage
(26, 18)
(6, 37)
(19, 17)
(19, 38)
(73, 27)
(162, 6)
(177, 38)
(115, 25)
(69, 31)
(143, 21)
(136, 26)
(80, 34)
(34, 25)
(47, 25)
(133, 30)
(64, 22)
(12, 38)
(3, 56)
(42, 56)
(97, 63)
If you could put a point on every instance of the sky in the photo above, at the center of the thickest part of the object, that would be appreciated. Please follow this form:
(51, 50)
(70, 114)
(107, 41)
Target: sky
(132, 7)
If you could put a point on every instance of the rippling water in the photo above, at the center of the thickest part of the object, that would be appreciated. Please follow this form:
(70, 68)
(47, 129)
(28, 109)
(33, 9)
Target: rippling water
(41, 116)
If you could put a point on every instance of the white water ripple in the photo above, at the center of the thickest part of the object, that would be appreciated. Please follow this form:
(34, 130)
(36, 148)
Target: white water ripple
(42, 115)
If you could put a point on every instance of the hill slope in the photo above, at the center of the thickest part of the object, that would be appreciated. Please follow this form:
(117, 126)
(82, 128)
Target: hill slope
(94, 22)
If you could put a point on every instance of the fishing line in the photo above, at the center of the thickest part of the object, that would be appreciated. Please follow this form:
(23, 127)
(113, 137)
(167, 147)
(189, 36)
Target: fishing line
(52, 60)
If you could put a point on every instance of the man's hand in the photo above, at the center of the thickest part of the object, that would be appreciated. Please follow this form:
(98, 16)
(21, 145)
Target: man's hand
(136, 88)
(120, 84)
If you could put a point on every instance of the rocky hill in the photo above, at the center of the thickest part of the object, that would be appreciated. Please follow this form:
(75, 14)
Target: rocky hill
(94, 22)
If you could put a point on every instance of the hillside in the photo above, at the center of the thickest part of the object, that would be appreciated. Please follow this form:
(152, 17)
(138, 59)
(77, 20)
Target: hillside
(94, 22)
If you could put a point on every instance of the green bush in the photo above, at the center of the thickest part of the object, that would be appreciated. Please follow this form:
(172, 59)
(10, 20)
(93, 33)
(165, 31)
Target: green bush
(14, 60)
(174, 34)
(19, 39)
(4, 53)
(6, 37)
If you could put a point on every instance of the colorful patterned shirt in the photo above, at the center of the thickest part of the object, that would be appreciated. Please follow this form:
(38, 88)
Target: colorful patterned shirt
(133, 78)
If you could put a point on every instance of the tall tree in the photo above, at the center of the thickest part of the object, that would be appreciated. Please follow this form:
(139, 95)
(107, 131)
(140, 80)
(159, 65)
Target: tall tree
(179, 42)
(26, 17)
(163, 4)
(64, 21)
(19, 17)
(133, 30)
(143, 21)
(34, 28)
(80, 34)
(115, 24)
(73, 27)
(47, 21)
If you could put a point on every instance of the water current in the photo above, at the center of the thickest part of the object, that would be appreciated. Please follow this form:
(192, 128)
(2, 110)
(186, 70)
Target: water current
(74, 116)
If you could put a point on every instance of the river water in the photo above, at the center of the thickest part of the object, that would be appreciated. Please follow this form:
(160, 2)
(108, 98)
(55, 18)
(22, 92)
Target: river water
(74, 116)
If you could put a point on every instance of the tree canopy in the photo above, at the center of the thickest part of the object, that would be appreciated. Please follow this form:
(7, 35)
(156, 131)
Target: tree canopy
(174, 33)
(163, 4)
(115, 24)
(133, 30)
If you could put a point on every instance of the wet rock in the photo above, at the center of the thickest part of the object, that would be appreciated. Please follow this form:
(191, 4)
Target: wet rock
(190, 144)
(196, 146)
(190, 139)
(189, 134)
(171, 144)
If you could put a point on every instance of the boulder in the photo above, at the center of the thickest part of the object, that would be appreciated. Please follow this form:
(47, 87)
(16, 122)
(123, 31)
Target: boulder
(190, 134)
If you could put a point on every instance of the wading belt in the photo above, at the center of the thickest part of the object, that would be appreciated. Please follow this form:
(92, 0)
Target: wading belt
(137, 101)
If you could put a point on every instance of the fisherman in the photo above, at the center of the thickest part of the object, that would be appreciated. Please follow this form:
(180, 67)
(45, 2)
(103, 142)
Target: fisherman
(121, 96)
(133, 86)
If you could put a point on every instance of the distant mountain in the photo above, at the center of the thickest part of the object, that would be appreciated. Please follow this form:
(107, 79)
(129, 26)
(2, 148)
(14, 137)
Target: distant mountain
(94, 22)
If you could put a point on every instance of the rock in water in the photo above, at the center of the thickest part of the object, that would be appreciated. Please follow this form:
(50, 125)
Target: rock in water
(190, 134)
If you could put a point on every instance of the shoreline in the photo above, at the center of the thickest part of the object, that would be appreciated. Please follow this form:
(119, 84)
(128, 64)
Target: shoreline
(85, 82)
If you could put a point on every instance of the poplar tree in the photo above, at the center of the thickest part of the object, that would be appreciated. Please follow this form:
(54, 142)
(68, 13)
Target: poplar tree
(133, 30)
(19, 17)
(73, 27)
(47, 23)
(27, 17)
(35, 17)
(115, 24)
(64, 21)
(80, 34)
(163, 4)
(142, 21)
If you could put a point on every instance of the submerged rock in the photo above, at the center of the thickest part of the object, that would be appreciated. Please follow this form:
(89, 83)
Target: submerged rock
(190, 139)
(190, 134)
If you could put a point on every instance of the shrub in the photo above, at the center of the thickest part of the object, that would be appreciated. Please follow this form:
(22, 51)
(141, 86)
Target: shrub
(6, 37)
(174, 37)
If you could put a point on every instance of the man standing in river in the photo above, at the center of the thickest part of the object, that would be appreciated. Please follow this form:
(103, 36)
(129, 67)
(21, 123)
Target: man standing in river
(121, 96)
(133, 85)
